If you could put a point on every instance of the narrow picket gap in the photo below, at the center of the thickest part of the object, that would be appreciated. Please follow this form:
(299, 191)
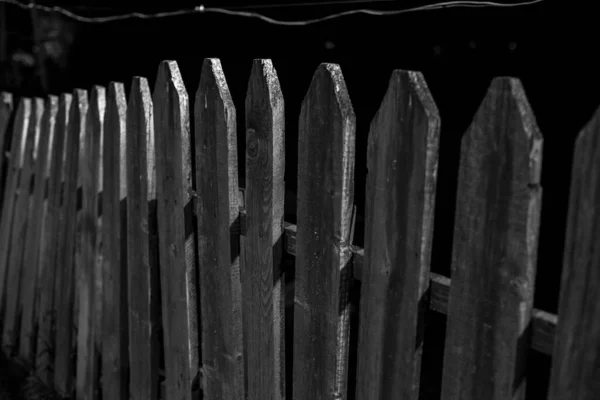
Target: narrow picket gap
(575, 373)
(142, 265)
(400, 195)
(218, 241)
(35, 227)
(12, 312)
(64, 296)
(177, 252)
(58, 122)
(495, 249)
(262, 278)
(325, 199)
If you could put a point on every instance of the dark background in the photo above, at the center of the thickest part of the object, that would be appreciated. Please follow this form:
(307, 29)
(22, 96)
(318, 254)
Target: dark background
(549, 46)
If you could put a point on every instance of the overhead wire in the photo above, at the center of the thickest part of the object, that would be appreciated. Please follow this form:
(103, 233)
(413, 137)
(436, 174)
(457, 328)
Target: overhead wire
(201, 9)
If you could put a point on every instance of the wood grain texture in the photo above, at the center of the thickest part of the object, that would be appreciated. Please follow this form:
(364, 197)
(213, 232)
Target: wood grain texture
(495, 246)
(33, 242)
(86, 385)
(114, 231)
(64, 360)
(576, 360)
(12, 315)
(400, 196)
(44, 364)
(177, 252)
(325, 198)
(218, 244)
(15, 161)
(262, 280)
(6, 113)
(142, 264)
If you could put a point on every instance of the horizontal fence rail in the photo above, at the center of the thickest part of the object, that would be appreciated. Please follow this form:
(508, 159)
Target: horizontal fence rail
(133, 265)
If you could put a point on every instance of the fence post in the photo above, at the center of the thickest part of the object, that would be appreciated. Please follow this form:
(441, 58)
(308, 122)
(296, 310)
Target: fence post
(325, 201)
(58, 123)
(400, 196)
(114, 229)
(86, 385)
(64, 361)
(495, 246)
(218, 236)
(142, 263)
(576, 360)
(177, 247)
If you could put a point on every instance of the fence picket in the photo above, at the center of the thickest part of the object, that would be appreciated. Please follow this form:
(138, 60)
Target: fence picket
(64, 358)
(495, 244)
(325, 199)
(575, 364)
(114, 230)
(141, 259)
(58, 123)
(35, 228)
(262, 278)
(6, 111)
(12, 320)
(400, 195)
(86, 385)
(177, 250)
(218, 239)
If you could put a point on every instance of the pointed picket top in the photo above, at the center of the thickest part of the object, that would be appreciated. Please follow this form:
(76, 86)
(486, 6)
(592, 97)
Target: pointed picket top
(326, 144)
(97, 115)
(178, 258)
(402, 157)
(494, 247)
(115, 122)
(49, 125)
(575, 364)
(140, 108)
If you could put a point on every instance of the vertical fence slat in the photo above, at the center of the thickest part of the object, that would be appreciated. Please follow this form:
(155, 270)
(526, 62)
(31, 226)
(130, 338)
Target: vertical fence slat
(576, 359)
(15, 160)
(86, 383)
(218, 239)
(34, 233)
(176, 237)
(495, 244)
(400, 195)
(64, 357)
(325, 198)
(262, 279)
(6, 112)
(142, 263)
(58, 123)
(114, 281)
(11, 323)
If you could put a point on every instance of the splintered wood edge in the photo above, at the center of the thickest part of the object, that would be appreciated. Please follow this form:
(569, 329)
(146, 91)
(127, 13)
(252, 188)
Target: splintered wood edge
(543, 324)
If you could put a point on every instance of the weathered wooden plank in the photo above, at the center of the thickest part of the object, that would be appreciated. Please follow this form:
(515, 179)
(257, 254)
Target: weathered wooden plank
(114, 231)
(218, 245)
(400, 196)
(177, 250)
(262, 281)
(15, 161)
(12, 315)
(325, 197)
(64, 356)
(33, 243)
(576, 360)
(142, 264)
(58, 123)
(495, 246)
(6, 112)
(86, 385)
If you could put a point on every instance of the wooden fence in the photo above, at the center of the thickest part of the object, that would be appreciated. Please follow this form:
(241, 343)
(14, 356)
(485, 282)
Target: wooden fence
(129, 253)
